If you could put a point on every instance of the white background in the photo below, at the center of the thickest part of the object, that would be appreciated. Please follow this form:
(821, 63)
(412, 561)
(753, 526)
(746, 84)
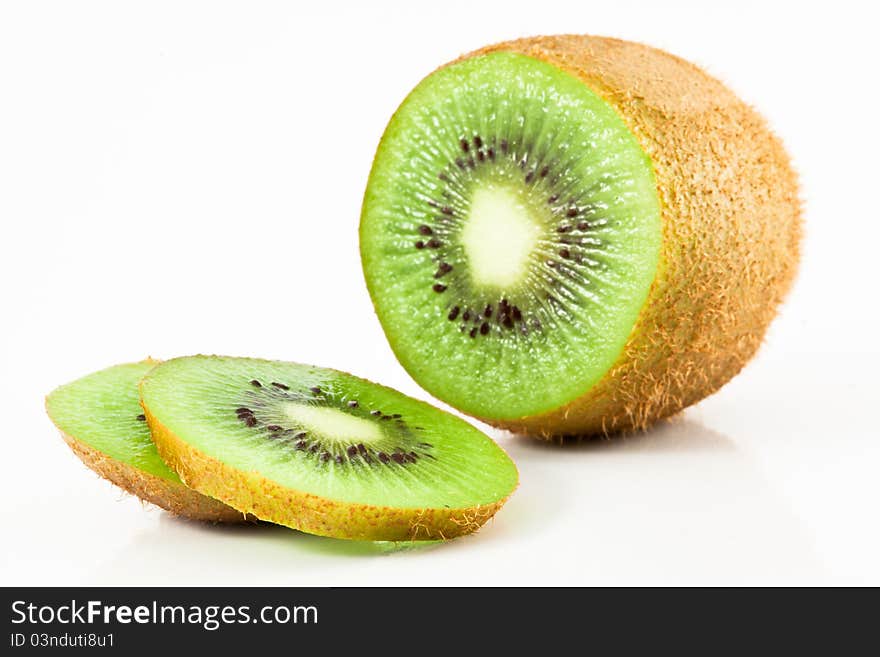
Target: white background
(178, 178)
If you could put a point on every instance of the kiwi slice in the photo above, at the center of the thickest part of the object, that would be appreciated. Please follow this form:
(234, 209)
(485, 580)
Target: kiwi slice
(576, 235)
(323, 451)
(101, 420)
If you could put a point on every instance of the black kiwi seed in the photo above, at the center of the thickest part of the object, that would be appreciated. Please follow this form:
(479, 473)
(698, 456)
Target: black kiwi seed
(434, 243)
(583, 225)
(553, 199)
(325, 456)
(281, 386)
(517, 314)
(395, 416)
(362, 449)
(377, 413)
(273, 427)
(544, 171)
(446, 210)
(478, 142)
(142, 418)
(249, 420)
(442, 176)
(425, 230)
(459, 163)
(504, 146)
(383, 457)
(301, 444)
(256, 384)
(572, 212)
(352, 451)
(316, 390)
(301, 434)
(564, 253)
(443, 269)
(481, 156)
(420, 244)
(491, 153)
(484, 328)
(453, 313)
(339, 459)
(465, 146)
(397, 458)
(507, 322)
(488, 311)
(243, 410)
(467, 315)
(438, 287)
(353, 403)
(563, 229)
(473, 332)
(314, 448)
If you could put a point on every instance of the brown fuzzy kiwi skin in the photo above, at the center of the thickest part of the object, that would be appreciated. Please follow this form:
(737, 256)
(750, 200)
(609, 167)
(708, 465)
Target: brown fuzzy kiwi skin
(731, 225)
(169, 495)
(252, 494)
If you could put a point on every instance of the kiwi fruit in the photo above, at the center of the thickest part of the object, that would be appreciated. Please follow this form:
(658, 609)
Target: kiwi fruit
(575, 235)
(323, 451)
(101, 420)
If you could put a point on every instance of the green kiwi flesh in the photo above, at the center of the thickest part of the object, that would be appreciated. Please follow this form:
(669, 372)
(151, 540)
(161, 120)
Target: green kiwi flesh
(103, 410)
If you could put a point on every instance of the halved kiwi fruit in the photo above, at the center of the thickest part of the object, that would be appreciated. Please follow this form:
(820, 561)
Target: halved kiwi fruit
(101, 420)
(576, 235)
(323, 451)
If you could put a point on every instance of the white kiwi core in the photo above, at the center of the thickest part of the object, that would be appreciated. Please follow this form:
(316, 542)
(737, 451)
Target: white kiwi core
(498, 236)
(333, 423)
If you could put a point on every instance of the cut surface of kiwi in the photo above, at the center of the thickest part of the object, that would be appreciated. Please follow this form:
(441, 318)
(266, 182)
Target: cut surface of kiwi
(576, 234)
(323, 451)
(101, 420)
(511, 222)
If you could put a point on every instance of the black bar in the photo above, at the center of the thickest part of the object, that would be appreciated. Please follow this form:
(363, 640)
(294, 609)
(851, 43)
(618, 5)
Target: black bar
(413, 620)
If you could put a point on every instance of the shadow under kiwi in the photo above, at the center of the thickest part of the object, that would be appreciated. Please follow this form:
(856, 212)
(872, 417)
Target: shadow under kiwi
(678, 433)
(187, 552)
(289, 538)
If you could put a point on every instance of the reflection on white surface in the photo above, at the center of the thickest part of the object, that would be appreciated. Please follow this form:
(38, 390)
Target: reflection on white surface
(678, 504)
(260, 554)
